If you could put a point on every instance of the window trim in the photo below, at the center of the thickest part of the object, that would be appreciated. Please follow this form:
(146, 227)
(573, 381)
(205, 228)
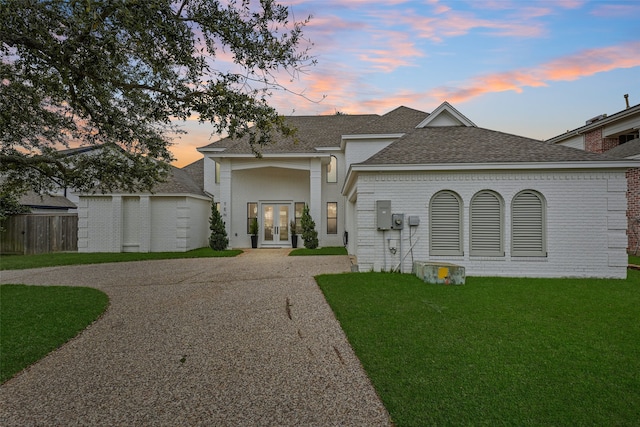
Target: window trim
(542, 252)
(459, 251)
(333, 160)
(334, 218)
(473, 229)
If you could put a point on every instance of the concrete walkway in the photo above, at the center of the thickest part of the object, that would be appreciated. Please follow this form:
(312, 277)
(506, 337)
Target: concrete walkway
(218, 341)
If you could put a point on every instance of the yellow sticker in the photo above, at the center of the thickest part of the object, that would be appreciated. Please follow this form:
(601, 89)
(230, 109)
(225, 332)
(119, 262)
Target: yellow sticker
(443, 272)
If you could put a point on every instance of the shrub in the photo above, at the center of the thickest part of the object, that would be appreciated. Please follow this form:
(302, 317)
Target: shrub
(218, 240)
(309, 233)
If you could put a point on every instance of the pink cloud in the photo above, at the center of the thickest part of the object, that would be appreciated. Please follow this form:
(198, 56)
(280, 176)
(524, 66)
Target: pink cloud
(398, 51)
(572, 67)
(450, 23)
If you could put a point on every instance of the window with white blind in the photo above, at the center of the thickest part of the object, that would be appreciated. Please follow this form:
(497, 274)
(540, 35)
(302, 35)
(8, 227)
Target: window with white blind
(445, 224)
(528, 224)
(486, 224)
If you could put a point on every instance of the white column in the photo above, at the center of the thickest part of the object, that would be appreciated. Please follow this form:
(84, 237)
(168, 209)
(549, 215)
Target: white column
(209, 175)
(145, 224)
(116, 228)
(225, 195)
(315, 194)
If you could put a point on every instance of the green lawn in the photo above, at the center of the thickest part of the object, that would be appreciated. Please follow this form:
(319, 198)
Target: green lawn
(19, 262)
(496, 351)
(38, 319)
(330, 250)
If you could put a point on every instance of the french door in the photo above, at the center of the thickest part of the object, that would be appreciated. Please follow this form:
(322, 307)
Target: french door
(275, 223)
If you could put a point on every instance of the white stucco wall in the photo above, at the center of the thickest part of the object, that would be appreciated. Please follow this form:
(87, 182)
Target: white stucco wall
(585, 221)
(142, 223)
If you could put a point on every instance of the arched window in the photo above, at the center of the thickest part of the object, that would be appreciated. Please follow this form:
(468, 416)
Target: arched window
(445, 224)
(486, 224)
(332, 170)
(528, 224)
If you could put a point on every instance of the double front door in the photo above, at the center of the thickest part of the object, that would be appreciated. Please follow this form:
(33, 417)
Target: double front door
(275, 223)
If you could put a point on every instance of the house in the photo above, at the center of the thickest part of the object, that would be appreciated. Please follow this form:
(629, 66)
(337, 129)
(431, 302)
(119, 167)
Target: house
(395, 188)
(47, 204)
(617, 136)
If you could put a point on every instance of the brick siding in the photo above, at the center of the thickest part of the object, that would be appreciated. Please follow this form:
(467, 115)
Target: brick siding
(579, 243)
(633, 206)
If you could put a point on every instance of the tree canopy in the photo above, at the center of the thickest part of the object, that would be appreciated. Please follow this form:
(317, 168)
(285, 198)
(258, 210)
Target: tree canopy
(118, 73)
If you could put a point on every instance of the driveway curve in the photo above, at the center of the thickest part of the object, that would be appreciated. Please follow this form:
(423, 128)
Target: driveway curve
(211, 341)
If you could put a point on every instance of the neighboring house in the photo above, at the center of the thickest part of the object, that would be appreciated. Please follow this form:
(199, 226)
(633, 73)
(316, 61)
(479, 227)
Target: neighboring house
(172, 218)
(495, 203)
(70, 193)
(617, 136)
(47, 204)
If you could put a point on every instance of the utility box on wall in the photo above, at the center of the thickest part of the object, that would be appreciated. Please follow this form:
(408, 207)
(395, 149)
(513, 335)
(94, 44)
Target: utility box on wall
(383, 214)
(397, 221)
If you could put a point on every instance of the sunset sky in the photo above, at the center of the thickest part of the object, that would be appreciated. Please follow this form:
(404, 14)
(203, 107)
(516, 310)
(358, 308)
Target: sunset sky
(532, 68)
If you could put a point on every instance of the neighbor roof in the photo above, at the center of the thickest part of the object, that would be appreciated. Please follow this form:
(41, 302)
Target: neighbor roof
(466, 144)
(595, 124)
(35, 200)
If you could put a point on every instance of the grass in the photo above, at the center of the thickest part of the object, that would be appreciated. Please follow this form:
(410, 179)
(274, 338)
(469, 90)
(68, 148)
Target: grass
(496, 351)
(38, 319)
(19, 262)
(330, 250)
(634, 259)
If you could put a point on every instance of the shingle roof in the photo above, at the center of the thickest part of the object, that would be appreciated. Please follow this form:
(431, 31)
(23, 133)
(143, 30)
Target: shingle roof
(196, 171)
(462, 144)
(179, 181)
(596, 124)
(33, 199)
(628, 149)
(312, 132)
(326, 131)
(400, 120)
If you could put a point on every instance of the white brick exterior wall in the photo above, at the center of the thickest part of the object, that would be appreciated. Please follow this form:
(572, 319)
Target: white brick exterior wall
(585, 218)
(142, 223)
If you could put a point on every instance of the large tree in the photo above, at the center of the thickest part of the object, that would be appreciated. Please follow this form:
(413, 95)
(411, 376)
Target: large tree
(118, 73)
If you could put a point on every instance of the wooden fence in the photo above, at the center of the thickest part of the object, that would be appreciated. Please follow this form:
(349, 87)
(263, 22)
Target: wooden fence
(39, 233)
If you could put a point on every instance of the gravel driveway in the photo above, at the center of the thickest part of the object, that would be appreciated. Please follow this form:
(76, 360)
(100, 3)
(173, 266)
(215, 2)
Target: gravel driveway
(216, 341)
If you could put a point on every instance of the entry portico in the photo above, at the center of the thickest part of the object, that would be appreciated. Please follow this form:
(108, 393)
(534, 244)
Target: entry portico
(273, 189)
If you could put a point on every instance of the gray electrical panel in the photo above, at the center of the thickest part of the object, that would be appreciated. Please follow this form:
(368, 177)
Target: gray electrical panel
(414, 220)
(397, 221)
(383, 214)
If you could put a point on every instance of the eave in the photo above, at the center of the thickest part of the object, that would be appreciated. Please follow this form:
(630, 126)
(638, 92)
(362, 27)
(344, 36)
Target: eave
(595, 125)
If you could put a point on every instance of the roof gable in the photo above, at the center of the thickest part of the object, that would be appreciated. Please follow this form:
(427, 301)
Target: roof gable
(445, 115)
